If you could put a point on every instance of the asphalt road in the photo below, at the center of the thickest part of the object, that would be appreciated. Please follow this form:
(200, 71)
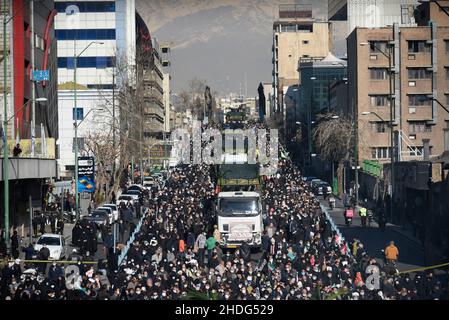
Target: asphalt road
(411, 253)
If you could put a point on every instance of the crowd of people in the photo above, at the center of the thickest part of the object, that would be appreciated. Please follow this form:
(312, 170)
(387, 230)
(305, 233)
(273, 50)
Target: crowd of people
(175, 254)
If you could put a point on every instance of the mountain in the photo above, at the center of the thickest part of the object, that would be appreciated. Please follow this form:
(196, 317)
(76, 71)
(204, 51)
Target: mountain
(217, 40)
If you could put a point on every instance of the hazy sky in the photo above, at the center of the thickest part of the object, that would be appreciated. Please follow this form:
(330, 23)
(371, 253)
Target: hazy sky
(221, 41)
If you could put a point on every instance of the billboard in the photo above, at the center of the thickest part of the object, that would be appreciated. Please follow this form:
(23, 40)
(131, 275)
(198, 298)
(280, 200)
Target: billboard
(86, 174)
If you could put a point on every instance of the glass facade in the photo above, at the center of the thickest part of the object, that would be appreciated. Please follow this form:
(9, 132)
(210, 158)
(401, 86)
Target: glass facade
(316, 92)
(86, 34)
(86, 62)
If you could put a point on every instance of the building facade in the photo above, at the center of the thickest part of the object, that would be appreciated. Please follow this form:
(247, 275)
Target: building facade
(25, 54)
(296, 35)
(420, 73)
(372, 13)
(102, 34)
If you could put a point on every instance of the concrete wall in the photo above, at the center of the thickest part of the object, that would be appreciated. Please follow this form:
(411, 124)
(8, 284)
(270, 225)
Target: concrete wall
(23, 168)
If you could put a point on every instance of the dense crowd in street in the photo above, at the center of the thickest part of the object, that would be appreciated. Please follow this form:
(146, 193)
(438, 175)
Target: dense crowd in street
(175, 255)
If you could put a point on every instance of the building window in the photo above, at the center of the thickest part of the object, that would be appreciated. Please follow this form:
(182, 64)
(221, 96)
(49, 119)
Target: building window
(416, 100)
(380, 152)
(379, 100)
(86, 62)
(419, 73)
(447, 72)
(305, 42)
(405, 13)
(378, 73)
(85, 34)
(418, 46)
(416, 151)
(87, 6)
(419, 126)
(80, 144)
(379, 127)
(378, 46)
(447, 45)
(78, 113)
(39, 42)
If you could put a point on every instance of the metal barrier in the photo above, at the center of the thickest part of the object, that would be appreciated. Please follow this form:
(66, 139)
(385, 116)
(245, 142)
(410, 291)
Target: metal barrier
(335, 228)
(131, 239)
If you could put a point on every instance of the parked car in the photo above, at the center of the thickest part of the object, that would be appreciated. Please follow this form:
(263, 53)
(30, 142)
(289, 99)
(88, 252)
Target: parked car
(137, 187)
(137, 193)
(319, 186)
(326, 186)
(54, 242)
(158, 176)
(110, 213)
(124, 198)
(114, 208)
(100, 217)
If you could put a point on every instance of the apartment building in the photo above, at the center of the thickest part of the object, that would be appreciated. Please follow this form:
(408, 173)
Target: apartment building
(372, 13)
(296, 35)
(102, 34)
(419, 58)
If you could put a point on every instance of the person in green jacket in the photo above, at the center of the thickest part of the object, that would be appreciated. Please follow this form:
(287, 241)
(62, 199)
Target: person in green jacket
(211, 243)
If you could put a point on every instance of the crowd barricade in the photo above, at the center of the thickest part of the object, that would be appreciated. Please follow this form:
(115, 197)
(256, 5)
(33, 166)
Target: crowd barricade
(131, 239)
(335, 228)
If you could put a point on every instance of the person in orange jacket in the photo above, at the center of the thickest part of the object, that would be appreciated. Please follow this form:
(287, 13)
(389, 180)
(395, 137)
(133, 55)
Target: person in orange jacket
(391, 252)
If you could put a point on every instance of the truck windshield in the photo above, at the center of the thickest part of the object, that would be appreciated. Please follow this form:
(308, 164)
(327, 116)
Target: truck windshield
(239, 207)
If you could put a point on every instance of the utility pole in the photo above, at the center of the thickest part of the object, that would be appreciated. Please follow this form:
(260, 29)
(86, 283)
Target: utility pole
(33, 90)
(392, 98)
(5, 130)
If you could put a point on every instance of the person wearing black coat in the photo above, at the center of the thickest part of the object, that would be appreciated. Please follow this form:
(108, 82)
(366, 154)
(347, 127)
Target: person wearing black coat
(42, 221)
(245, 251)
(15, 245)
(43, 254)
(35, 223)
(53, 223)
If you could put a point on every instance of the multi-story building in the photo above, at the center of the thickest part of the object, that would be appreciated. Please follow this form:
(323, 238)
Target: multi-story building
(372, 13)
(166, 63)
(316, 77)
(32, 107)
(104, 36)
(153, 77)
(419, 57)
(296, 35)
(25, 54)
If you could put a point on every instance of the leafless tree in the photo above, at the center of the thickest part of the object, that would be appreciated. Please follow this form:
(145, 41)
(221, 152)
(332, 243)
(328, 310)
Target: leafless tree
(127, 126)
(334, 139)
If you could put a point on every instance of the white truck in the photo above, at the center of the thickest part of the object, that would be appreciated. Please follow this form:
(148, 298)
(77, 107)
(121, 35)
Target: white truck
(239, 218)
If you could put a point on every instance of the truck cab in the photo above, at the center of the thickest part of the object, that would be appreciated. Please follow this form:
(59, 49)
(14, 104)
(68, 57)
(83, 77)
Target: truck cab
(239, 218)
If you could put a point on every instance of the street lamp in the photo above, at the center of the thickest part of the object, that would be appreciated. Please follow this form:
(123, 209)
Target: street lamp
(76, 124)
(75, 64)
(389, 56)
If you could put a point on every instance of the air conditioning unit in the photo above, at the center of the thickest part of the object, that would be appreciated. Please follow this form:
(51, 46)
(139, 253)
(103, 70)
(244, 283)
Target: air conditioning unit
(412, 84)
(411, 110)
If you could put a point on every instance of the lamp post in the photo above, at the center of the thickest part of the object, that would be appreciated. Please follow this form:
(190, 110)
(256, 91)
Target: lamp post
(309, 121)
(76, 124)
(75, 64)
(389, 56)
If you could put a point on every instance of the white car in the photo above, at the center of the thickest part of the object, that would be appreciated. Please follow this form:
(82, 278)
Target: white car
(54, 242)
(109, 211)
(124, 198)
(114, 209)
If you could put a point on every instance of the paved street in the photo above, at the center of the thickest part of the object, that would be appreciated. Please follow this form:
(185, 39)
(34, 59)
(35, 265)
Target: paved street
(411, 254)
